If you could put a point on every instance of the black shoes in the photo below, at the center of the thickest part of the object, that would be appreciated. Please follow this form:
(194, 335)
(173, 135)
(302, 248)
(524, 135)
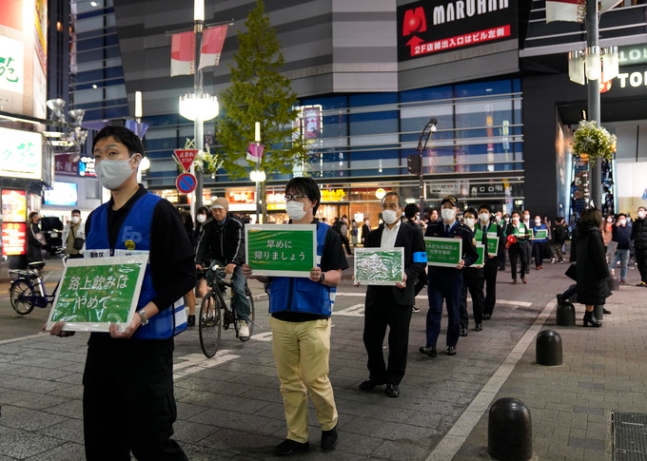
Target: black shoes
(463, 332)
(190, 320)
(604, 311)
(478, 327)
(589, 317)
(370, 384)
(392, 390)
(287, 447)
(415, 310)
(451, 350)
(487, 316)
(429, 350)
(560, 298)
(329, 439)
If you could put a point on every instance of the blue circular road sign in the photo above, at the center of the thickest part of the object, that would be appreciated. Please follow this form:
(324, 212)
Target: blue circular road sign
(186, 183)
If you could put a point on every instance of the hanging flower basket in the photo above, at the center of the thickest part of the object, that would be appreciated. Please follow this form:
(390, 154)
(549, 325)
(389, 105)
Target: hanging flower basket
(593, 142)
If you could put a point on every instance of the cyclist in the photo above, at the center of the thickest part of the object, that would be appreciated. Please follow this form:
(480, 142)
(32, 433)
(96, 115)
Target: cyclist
(223, 243)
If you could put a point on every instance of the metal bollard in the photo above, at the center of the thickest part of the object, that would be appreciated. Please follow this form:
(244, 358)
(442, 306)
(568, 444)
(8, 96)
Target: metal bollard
(614, 282)
(566, 315)
(549, 348)
(597, 311)
(510, 430)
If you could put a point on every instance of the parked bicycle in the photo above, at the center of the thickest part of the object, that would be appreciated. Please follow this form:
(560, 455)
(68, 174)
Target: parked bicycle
(27, 290)
(216, 314)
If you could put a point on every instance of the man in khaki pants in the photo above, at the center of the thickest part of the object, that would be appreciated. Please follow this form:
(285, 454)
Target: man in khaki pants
(301, 308)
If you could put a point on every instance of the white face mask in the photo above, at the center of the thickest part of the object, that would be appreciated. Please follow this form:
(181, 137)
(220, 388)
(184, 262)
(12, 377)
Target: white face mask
(622, 222)
(515, 220)
(201, 218)
(448, 214)
(389, 216)
(641, 214)
(76, 219)
(484, 217)
(537, 222)
(113, 173)
(609, 220)
(295, 210)
(469, 222)
(526, 217)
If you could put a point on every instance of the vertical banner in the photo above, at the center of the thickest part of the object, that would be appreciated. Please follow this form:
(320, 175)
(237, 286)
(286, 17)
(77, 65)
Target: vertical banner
(213, 40)
(182, 52)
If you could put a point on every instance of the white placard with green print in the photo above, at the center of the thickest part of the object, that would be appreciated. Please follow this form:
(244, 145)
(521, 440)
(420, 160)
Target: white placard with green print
(379, 266)
(281, 250)
(541, 234)
(443, 251)
(480, 250)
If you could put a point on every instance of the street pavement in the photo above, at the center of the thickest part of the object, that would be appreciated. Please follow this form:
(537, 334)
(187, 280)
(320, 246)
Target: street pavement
(230, 407)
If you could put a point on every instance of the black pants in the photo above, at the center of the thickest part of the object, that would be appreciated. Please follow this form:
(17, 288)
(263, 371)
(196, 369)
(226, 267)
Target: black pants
(76, 256)
(527, 247)
(641, 260)
(538, 249)
(490, 271)
(501, 256)
(472, 281)
(516, 252)
(128, 405)
(346, 243)
(382, 313)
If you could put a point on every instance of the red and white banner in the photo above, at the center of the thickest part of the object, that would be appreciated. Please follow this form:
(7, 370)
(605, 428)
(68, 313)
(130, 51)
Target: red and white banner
(606, 5)
(565, 10)
(185, 157)
(213, 39)
(182, 52)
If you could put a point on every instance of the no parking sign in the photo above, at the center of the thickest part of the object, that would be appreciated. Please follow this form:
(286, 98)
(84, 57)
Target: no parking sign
(186, 183)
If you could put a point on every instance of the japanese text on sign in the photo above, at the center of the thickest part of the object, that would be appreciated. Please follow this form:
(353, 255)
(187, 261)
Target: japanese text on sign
(441, 251)
(288, 250)
(461, 40)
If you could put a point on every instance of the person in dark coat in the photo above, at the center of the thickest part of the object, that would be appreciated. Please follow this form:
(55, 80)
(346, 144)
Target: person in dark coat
(639, 236)
(35, 239)
(592, 269)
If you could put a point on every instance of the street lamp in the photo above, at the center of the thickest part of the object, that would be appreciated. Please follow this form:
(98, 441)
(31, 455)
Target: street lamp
(256, 174)
(415, 161)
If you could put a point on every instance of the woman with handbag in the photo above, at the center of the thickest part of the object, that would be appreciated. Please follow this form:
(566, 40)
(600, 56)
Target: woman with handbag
(35, 239)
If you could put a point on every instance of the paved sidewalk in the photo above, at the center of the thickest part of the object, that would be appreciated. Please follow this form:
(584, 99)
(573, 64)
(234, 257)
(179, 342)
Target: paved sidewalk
(230, 407)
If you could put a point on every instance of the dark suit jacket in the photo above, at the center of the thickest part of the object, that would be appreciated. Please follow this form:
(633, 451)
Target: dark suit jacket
(409, 238)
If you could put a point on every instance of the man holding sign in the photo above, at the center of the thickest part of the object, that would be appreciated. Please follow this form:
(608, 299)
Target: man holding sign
(300, 309)
(446, 282)
(491, 235)
(392, 305)
(128, 401)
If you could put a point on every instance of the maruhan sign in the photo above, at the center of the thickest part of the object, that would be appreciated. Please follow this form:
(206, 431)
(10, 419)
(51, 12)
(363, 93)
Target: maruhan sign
(462, 9)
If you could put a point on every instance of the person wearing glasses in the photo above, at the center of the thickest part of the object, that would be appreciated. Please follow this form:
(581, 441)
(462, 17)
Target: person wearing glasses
(223, 243)
(300, 309)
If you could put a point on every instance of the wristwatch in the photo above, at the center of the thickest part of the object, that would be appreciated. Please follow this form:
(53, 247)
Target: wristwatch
(322, 278)
(142, 314)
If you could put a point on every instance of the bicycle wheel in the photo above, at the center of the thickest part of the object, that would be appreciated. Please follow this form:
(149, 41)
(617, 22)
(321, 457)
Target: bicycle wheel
(21, 296)
(210, 326)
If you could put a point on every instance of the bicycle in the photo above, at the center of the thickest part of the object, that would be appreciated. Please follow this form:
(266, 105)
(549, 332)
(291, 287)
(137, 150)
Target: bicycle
(216, 315)
(24, 294)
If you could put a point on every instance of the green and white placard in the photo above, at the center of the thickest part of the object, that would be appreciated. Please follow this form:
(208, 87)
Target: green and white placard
(480, 250)
(379, 266)
(493, 245)
(541, 234)
(443, 251)
(283, 250)
(96, 292)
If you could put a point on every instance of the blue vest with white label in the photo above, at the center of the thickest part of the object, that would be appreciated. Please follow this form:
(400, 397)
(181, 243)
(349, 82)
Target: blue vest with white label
(135, 234)
(302, 295)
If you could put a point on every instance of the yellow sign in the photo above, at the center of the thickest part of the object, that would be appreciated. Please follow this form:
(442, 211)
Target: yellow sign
(336, 195)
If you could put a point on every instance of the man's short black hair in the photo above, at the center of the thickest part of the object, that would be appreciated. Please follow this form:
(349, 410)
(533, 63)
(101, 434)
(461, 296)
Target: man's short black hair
(410, 210)
(76, 212)
(307, 187)
(621, 214)
(124, 136)
(485, 206)
(471, 211)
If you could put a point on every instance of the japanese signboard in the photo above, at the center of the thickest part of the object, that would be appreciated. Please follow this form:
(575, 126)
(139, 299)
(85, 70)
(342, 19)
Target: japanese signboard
(288, 250)
(430, 27)
(541, 234)
(65, 165)
(14, 206)
(480, 250)
(14, 238)
(86, 167)
(379, 266)
(12, 64)
(185, 157)
(21, 155)
(96, 292)
(492, 245)
(442, 251)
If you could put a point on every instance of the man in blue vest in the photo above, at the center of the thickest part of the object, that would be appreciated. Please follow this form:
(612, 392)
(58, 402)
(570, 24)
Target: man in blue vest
(446, 283)
(300, 309)
(133, 369)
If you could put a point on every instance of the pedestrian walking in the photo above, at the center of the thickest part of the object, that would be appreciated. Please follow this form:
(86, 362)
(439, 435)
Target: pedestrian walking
(517, 246)
(473, 279)
(487, 228)
(639, 236)
(621, 236)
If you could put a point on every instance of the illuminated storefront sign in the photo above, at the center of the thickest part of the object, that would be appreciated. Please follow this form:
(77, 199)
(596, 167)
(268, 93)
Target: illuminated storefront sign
(64, 165)
(14, 239)
(14, 206)
(336, 195)
(426, 27)
(86, 167)
(12, 64)
(21, 154)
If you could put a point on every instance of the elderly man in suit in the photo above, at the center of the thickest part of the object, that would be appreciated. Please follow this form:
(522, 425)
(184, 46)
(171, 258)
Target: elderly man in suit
(392, 305)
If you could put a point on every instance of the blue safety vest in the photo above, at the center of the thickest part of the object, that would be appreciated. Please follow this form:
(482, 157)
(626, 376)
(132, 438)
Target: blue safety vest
(302, 295)
(134, 235)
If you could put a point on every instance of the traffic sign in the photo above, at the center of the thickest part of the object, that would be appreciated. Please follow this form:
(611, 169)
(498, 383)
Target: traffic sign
(186, 183)
(185, 157)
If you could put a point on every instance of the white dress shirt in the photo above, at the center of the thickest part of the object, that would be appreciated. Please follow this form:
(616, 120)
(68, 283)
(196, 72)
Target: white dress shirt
(389, 235)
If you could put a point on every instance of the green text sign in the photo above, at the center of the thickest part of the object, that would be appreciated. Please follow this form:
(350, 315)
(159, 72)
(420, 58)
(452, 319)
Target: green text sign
(442, 251)
(480, 250)
(493, 245)
(281, 249)
(94, 293)
(541, 234)
(379, 266)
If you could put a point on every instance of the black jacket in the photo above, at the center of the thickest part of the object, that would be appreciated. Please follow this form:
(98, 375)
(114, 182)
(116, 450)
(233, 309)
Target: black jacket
(458, 231)
(560, 234)
(592, 268)
(622, 236)
(226, 242)
(34, 246)
(639, 233)
(411, 240)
